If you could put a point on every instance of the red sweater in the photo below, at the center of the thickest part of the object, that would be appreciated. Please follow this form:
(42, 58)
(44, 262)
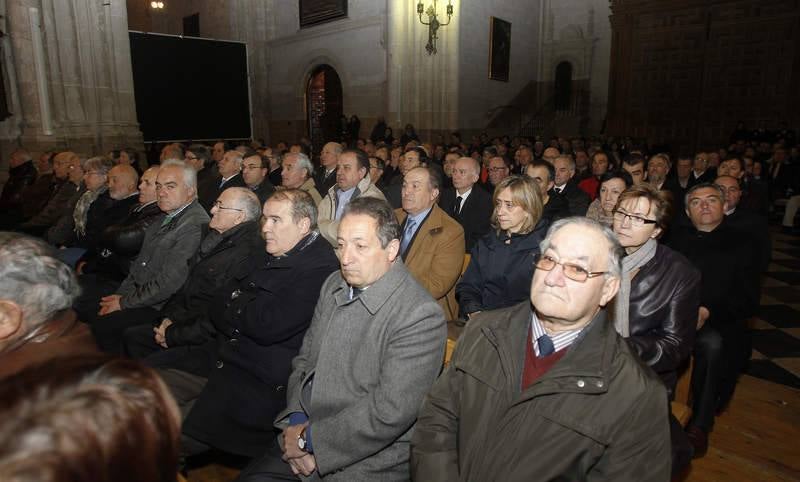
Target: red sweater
(535, 366)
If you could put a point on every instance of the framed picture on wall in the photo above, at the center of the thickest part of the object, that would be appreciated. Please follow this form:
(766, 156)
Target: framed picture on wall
(499, 49)
(313, 12)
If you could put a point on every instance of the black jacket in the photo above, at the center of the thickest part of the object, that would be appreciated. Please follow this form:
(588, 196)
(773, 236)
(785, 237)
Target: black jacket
(260, 319)
(475, 216)
(208, 185)
(577, 200)
(499, 272)
(220, 256)
(556, 208)
(120, 243)
(754, 227)
(104, 212)
(664, 299)
(323, 183)
(729, 286)
(264, 190)
(215, 190)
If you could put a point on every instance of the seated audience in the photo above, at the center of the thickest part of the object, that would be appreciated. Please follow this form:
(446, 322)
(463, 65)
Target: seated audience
(748, 222)
(432, 244)
(119, 244)
(634, 164)
(700, 172)
(501, 266)
(298, 173)
(591, 184)
(254, 173)
(184, 320)
(231, 388)
(728, 293)
(499, 169)
(67, 169)
(612, 184)
(374, 348)
(36, 293)
(571, 399)
(352, 182)
(87, 419)
(567, 188)
(230, 175)
(414, 157)
(162, 265)
(471, 207)
(543, 174)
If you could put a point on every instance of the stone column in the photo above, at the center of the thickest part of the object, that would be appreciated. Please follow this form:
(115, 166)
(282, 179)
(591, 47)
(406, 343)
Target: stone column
(423, 89)
(72, 77)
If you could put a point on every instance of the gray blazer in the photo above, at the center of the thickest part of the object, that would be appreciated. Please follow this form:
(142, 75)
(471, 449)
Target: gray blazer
(362, 374)
(163, 262)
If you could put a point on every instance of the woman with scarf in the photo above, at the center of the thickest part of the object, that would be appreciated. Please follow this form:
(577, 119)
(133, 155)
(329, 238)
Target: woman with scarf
(501, 266)
(656, 309)
(612, 184)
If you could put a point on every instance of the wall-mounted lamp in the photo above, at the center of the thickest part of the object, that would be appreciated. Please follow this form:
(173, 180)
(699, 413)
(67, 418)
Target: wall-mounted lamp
(433, 23)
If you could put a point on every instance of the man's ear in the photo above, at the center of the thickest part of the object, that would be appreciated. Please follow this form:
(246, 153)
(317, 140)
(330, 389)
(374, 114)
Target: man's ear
(10, 318)
(610, 289)
(393, 249)
(305, 225)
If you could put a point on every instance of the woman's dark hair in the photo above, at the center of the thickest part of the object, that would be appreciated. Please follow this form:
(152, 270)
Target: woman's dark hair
(621, 174)
(89, 418)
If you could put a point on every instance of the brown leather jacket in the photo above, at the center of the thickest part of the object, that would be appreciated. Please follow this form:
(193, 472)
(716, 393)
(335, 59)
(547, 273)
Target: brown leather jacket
(62, 336)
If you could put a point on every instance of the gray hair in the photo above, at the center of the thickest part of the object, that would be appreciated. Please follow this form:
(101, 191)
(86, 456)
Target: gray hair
(381, 212)
(247, 201)
(189, 174)
(303, 162)
(238, 156)
(33, 278)
(302, 204)
(703, 185)
(568, 158)
(614, 268)
(98, 163)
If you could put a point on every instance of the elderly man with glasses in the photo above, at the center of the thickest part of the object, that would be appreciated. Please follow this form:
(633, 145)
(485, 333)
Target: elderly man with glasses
(546, 389)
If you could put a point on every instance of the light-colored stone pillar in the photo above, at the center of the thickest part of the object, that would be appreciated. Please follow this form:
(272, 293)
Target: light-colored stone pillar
(423, 89)
(72, 77)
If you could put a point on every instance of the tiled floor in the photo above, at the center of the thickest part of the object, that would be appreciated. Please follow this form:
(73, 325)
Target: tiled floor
(776, 330)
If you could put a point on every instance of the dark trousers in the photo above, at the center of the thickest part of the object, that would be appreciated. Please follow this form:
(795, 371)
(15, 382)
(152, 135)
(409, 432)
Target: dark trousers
(718, 361)
(185, 388)
(140, 341)
(109, 330)
(268, 467)
(93, 287)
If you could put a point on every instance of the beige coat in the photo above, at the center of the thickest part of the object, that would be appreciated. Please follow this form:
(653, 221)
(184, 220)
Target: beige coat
(328, 225)
(309, 187)
(436, 256)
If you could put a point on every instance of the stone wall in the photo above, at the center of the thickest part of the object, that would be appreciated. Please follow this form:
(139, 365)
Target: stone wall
(69, 76)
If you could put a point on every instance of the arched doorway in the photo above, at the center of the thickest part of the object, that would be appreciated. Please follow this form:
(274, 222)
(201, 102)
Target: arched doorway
(563, 86)
(324, 106)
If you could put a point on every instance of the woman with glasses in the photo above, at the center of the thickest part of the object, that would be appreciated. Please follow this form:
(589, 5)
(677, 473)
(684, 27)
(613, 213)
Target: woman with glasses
(611, 185)
(501, 267)
(656, 309)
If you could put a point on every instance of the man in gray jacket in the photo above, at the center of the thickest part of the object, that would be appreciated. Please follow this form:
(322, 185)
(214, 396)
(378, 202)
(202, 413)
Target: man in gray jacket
(374, 348)
(163, 262)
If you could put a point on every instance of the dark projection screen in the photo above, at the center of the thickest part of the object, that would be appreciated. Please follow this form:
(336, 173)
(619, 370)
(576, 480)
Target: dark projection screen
(190, 88)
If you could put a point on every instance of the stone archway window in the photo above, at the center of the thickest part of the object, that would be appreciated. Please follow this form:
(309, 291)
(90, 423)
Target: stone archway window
(563, 86)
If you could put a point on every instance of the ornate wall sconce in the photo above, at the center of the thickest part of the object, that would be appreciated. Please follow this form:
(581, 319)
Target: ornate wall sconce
(433, 23)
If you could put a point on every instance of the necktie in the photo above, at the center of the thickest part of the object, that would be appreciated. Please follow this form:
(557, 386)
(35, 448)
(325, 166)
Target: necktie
(459, 200)
(221, 183)
(558, 190)
(545, 346)
(356, 292)
(407, 235)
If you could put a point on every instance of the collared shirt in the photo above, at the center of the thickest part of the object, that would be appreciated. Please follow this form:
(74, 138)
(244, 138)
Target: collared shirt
(225, 179)
(560, 188)
(343, 197)
(560, 340)
(463, 198)
(419, 218)
(171, 216)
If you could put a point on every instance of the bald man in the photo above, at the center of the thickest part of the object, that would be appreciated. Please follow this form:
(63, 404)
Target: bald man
(112, 206)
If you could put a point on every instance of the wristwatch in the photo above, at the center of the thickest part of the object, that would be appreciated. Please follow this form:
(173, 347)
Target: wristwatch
(301, 440)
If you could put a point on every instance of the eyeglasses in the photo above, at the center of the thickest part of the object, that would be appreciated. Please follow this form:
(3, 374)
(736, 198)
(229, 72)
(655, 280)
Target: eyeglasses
(497, 169)
(219, 205)
(621, 216)
(571, 271)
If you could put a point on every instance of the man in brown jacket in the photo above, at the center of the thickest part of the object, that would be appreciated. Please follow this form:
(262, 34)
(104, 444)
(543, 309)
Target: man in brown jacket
(432, 243)
(36, 293)
(551, 393)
